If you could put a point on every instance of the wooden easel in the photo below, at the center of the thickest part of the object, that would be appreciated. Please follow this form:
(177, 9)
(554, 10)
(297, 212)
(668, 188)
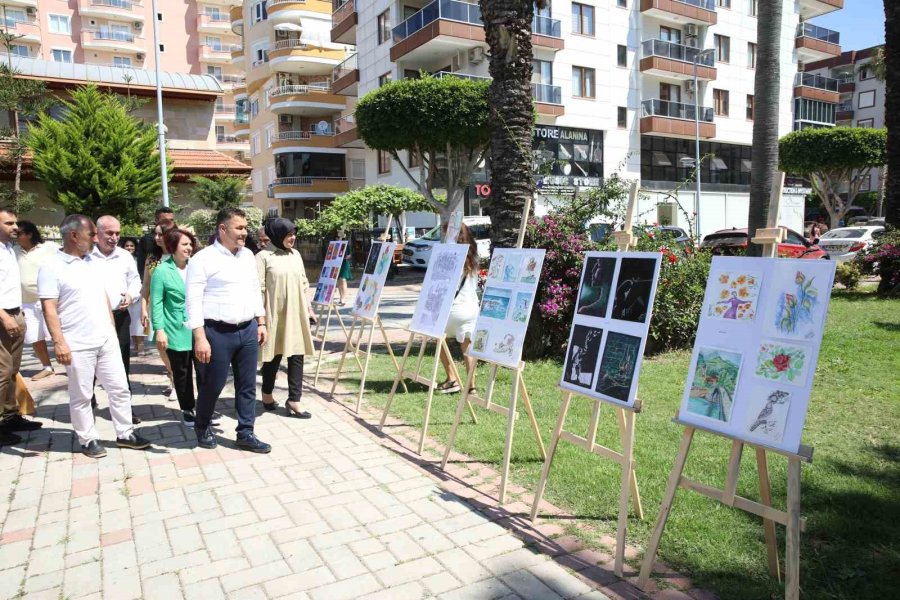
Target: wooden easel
(320, 333)
(439, 343)
(356, 349)
(769, 238)
(628, 491)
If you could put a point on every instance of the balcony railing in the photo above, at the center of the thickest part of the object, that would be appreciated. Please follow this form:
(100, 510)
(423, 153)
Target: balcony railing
(816, 81)
(292, 43)
(300, 135)
(226, 109)
(13, 22)
(451, 10)
(675, 110)
(122, 4)
(349, 65)
(675, 51)
(303, 181)
(704, 4)
(442, 74)
(342, 10)
(214, 19)
(228, 139)
(233, 79)
(308, 88)
(114, 35)
(844, 107)
(818, 33)
(242, 118)
(344, 124)
(548, 94)
(546, 26)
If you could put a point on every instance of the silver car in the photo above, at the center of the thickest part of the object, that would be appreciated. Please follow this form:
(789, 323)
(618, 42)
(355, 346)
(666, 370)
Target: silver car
(842, 244)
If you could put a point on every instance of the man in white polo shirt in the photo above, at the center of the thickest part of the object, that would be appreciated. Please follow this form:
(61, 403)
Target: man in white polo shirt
(80, 321)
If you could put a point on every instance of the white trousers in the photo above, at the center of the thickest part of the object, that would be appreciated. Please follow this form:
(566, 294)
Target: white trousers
(106, 364)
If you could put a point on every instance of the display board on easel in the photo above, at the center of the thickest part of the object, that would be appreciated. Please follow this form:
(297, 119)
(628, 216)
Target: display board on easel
(365, 313)
(324, 297)
(429, 322)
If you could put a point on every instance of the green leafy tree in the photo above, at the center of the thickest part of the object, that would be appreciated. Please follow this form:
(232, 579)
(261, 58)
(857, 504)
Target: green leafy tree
(836, 160)
(219, 192)
(98, 159)
(443, 123)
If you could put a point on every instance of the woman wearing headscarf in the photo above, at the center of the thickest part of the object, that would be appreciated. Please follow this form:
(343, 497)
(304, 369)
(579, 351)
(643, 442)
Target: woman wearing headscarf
(282, 279)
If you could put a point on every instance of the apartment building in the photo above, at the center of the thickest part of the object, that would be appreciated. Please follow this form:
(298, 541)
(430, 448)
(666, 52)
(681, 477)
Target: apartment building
(613, 86)
(195, 38)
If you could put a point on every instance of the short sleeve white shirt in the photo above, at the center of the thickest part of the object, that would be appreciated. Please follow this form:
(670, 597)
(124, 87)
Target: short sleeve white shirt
(81, 300)
(10, 281)
(119, 274)
(223, 286)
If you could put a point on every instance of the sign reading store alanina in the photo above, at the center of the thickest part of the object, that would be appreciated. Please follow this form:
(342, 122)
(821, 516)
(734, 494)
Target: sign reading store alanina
(566, 159)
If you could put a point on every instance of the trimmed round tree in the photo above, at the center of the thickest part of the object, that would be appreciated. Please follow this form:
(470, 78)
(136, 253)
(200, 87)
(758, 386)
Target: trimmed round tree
(837, 161)
(356, 208)
(442, 124)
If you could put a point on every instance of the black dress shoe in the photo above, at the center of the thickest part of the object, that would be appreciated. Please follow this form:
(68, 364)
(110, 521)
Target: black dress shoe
(253, 444)
(270, 405)
(8, 439)
(93, 449)
(133, 441)
(205, 438)
(135, 420)
(17, 422)
(293, 412)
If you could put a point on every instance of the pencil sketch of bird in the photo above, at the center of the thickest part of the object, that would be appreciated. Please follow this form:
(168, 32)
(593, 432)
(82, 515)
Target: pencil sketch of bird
(762, 419)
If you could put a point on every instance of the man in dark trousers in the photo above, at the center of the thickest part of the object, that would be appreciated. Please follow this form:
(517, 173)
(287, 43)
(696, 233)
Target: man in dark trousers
(163, 216)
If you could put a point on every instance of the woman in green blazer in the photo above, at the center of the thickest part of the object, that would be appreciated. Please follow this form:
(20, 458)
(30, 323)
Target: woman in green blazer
(168, 313)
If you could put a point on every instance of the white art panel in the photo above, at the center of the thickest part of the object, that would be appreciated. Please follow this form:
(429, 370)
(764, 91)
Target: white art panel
(752, 367)
(442, 280)
(334, 256)
(506, 304)
(371, 285)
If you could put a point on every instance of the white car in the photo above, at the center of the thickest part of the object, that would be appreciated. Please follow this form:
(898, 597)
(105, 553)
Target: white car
(843, 243)
(417, 252)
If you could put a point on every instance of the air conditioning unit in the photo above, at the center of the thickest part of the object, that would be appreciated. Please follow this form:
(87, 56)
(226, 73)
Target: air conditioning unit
(285, 119)
(139, 56)
(692, 42)
(691, 30)
(476, 55)
(138, 25)
(30, 10)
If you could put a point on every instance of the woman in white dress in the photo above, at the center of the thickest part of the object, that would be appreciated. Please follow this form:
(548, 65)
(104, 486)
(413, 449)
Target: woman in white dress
(137, 328)
(463, 313)
(34, 253)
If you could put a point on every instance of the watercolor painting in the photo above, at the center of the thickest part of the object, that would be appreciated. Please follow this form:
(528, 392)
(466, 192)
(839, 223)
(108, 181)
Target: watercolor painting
(786, 363)
(330, 252)
(329, 290)
(506, 345)
(495, 303)
(633, 288)
(522, 307)
(317, 297)
(367, 296)
(481, 339)
(767, 413)
(511, 268)
(384, 260)
(596, 286)
(799, 312)
(372, 259)
(715, 380)
(581, 359)
(617, 367)
(495, 271)
(529, 270)
(735, 296)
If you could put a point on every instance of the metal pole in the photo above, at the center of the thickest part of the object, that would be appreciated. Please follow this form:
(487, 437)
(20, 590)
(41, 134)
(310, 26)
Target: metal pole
(160, 127)
(697, 147)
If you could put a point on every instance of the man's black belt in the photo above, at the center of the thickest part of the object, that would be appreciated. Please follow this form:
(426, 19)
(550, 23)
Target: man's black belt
(13, 311)
(223, 326)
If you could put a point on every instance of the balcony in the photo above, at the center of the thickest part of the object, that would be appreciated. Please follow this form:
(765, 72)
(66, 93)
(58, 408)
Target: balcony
(676, 61)
(121, 10)
(112, 41)
(674, 119)
(300, 141)
(344, 20)
(28, 31)
(816, 87)
(847, 83)
(214, 23)
(218, 53)
(292, 11)
(816, 43)
(241, 123)
(547, 33)
(236, 14)
(700, 12)
(237, 57)
(231, 82)
(346, 135)
(224, 112)
(307, 100)
(547, 99)
(25, 3)
(814, 8)
(307, 187)
(844, 112)
(345, 77)
(295, 56)
(442, 74)
(444, 26)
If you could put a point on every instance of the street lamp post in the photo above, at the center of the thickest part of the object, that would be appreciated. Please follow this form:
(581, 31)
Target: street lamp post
(697, 57)
(160, 127)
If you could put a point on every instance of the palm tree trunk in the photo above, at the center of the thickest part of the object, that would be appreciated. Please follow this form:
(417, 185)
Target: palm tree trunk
(767, 85)
(507, 26)
(892, 110)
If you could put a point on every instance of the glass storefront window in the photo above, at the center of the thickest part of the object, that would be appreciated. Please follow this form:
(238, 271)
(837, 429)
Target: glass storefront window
(671, 160)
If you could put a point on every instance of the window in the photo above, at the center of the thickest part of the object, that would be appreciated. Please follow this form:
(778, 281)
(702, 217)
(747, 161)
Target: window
(670, 92)
(622, 3)
(865, 72)
(669, 34)
(622, 117)
(64, 56)
(257, 181)
(214, 42)
(723, 3)
(582, 19)
(621, 55)
(723, 48)
(384, 26)
(720, 102)
(60, 24)
(383, 79)
(868, 123)
(661, 160)
(415, 160)
(754, 7)
(254, 144)
(384, 162)
(866, 99)
(214, 72)
(542, 72)
(15, 15)
(121, 61)
(162, 47)
(220, 133)
(751, 55)
(750, 107)
(159, 17)
(259, 12)
(19, 50)
(582, 82)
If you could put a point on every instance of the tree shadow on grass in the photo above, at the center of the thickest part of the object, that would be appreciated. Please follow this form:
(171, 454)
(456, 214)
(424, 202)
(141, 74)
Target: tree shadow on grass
(892, 327)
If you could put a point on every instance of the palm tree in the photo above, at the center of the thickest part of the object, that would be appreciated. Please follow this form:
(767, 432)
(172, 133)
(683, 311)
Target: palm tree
(891, 108)
(507, 27)
(765, 119)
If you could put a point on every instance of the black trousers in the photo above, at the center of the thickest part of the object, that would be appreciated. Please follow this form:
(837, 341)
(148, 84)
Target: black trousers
(182, 362)
(122, 320)
(233, 347)
(295, 375)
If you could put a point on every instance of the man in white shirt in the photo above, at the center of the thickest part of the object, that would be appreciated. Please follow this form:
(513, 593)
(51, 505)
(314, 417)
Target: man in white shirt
(80, 321)
(12, 331)
(117, 269)
(228, 321)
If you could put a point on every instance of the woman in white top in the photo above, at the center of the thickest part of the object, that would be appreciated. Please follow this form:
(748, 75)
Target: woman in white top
(463, 312)
(35, 252)
(153, 260)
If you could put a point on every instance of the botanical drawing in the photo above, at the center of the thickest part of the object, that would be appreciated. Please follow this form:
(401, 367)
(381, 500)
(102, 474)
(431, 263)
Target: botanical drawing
(795, 308)
(735, 296)
(384, 260)
(782, 362)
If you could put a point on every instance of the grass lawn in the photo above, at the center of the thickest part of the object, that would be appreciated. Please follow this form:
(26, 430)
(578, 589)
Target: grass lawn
(850, 493)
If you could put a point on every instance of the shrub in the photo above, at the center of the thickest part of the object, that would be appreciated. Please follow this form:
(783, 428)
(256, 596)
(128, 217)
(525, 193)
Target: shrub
(848, 275)
(883, 259)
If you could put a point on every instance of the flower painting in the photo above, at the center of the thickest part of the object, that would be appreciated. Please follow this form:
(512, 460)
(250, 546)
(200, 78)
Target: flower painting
(734, 296)
(799, 300)
(786, 363)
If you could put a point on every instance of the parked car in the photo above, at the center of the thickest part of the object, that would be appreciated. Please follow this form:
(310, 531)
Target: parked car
(417, 252)
(728, 242)
(843, 243)
(676, 235)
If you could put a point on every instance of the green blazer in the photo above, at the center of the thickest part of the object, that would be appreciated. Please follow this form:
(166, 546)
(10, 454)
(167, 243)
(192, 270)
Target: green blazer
(168, 310)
